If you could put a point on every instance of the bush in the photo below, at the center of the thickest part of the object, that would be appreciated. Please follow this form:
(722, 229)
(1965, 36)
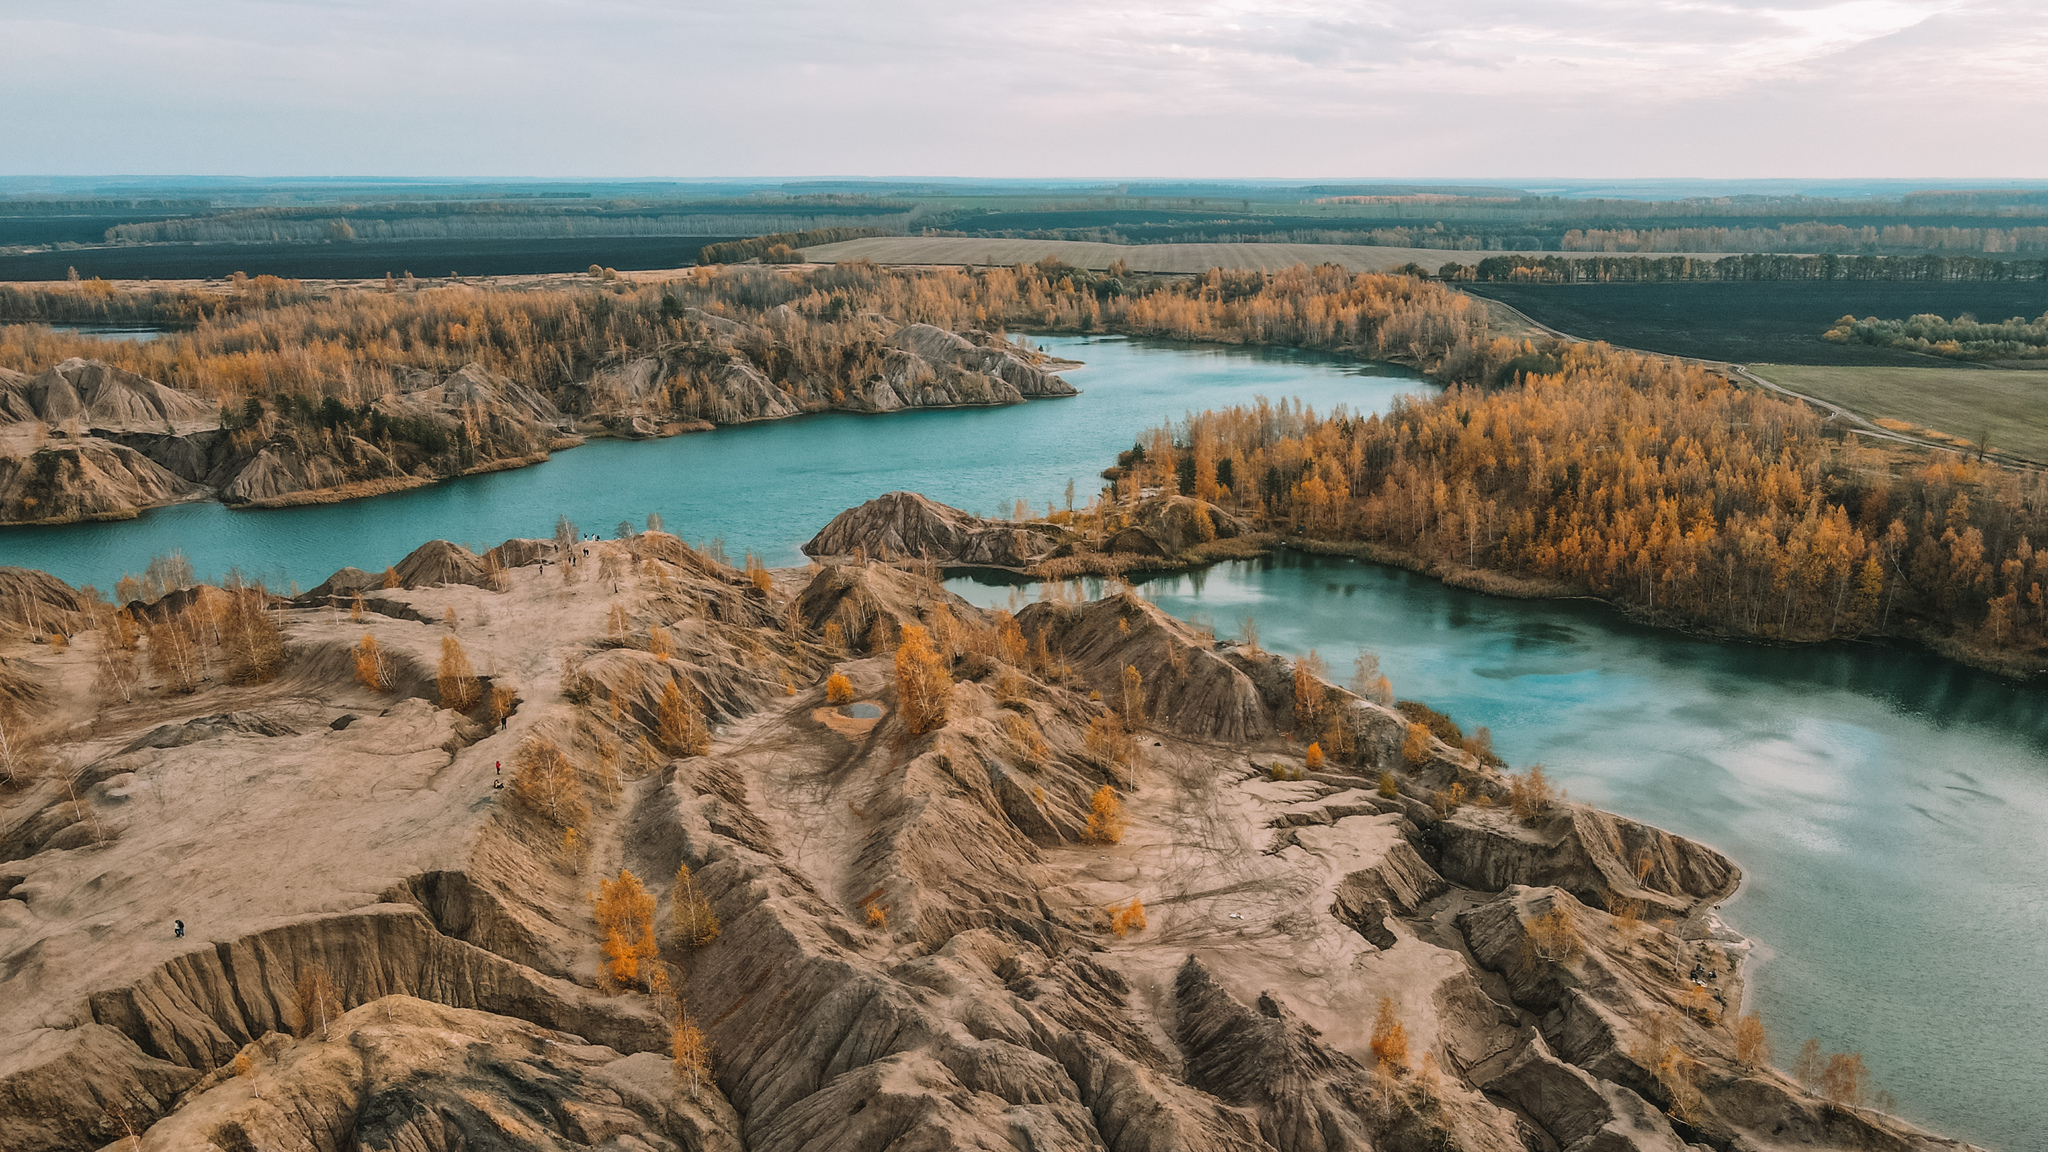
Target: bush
(838, 689)
(1440, 726)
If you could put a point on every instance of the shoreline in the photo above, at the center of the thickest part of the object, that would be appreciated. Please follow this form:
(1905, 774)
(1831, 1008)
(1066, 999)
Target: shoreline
(1489, 582)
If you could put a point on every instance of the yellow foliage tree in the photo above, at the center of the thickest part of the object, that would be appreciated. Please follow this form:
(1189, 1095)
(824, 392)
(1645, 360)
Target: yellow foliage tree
(370, 669)
(1530, 795)
(1415, 749)
(1389, 1039)
(391, 578)
(838, 689)
(679, 725)
(1752, 1043)
(1128, 918)
(625, 914)
(1132, 704)
(545, 782)
(1106, 820)
(254, 641)
(692, 921)
(922, 681)
(1552, 936)
(456, 679)
(1314, 759)
(692, 1053)
(1309, 699)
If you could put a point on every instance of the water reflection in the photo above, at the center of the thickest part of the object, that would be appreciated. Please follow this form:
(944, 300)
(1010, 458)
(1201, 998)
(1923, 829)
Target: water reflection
(1886, 804)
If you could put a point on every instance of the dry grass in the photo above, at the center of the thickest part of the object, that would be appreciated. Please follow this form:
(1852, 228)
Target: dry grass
(1959, 405)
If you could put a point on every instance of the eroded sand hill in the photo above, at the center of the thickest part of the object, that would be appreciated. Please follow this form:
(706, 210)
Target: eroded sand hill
(919, 944)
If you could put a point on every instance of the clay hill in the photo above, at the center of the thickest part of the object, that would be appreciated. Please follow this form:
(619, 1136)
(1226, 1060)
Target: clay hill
(1157, 530)
(86, 441)
(822, 858)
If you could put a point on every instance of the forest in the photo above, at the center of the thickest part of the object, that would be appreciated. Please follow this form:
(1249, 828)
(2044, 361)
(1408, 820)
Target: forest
(1755, 267)
(1964, 338)
(1656, 485)
(266, 337)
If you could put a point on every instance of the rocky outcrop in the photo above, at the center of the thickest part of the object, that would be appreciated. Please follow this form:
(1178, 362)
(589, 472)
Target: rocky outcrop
(87, 478)
(146, 1042)
(905, 525)
(1582, 1113)
(408, 1073)
(1597, 856)
(736, 373)
(1170, 525)
(1188, 686)
(35, 603)
(439, 562)
(284, 468)
(999, 362)
(102, 397)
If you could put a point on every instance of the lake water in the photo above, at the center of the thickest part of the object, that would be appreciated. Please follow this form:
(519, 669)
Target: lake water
(762, 487)
(1886, 806)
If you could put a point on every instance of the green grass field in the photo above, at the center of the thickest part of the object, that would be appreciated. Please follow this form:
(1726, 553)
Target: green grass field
(1962, 403)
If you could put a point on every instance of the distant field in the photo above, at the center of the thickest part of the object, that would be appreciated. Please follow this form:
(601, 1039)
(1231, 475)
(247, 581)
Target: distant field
(1772, 321)
(1961, 403)
(362, 260)
(1169, 258)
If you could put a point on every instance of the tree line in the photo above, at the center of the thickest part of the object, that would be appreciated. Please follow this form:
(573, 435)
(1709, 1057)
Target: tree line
(1963, 338)
(1656, 485)
(1757, 266)
(266, 337)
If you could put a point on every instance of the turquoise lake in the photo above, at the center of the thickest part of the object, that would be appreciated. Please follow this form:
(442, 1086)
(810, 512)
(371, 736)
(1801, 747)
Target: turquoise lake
(1886, 806)
(761, 487)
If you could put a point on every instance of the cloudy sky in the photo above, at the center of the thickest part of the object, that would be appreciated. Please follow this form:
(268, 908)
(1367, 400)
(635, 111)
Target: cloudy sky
(1131, 88)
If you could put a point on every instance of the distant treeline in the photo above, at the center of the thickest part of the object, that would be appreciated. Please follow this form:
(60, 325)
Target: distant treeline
(1763, 266)
(503, 221)
(1963, 338)
(1810, 236)
(782, 247)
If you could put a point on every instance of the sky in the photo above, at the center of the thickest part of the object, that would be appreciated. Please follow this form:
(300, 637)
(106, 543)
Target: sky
(1078, 88)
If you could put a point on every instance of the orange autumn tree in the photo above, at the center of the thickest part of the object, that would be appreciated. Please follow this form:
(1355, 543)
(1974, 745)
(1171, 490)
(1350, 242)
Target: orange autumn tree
(838, 689)
(922, 681)
(1106, 821)
(456, 679)
(1389, 1040)
(1660, 486)
(625, 917)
